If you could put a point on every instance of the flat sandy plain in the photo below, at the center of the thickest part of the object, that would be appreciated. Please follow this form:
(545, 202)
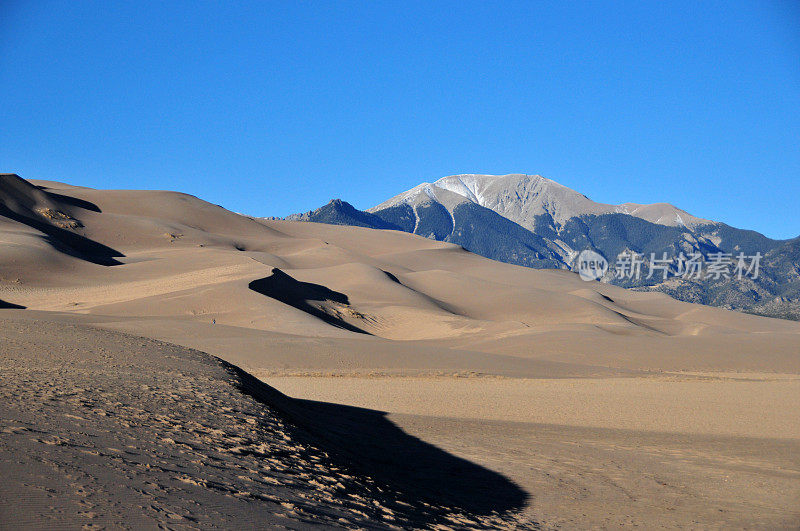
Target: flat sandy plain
(403, 382)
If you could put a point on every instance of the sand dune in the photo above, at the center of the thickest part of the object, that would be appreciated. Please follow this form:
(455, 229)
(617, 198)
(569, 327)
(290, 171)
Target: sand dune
(138, 433)
(444, 341)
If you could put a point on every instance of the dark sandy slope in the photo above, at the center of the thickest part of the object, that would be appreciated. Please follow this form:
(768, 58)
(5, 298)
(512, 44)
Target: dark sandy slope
(103, 429)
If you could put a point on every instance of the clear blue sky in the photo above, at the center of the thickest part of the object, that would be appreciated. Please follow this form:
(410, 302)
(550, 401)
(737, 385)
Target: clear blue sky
(269, 108)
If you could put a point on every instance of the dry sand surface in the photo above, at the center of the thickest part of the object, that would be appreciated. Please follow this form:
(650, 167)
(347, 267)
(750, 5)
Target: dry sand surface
(430, 386)
(105, 429)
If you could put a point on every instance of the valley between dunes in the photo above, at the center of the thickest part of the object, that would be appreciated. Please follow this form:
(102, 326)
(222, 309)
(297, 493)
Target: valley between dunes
(406, 381)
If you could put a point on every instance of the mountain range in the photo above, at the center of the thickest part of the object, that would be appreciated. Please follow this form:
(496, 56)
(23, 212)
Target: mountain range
(533, 221)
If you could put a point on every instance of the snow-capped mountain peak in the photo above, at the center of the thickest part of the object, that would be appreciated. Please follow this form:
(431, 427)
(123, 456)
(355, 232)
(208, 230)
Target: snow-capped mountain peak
(522, 197)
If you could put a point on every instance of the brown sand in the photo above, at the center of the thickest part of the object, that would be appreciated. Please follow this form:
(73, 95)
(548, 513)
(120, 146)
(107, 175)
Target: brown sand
(604, 406)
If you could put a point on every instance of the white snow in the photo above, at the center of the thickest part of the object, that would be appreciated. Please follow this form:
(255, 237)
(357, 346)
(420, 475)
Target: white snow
(457, 184)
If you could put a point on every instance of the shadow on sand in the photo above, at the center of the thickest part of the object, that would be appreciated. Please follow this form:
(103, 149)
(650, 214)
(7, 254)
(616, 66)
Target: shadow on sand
(68, 242)
(10, 306)
(286, 289)
(409, 471)
(69, 200)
